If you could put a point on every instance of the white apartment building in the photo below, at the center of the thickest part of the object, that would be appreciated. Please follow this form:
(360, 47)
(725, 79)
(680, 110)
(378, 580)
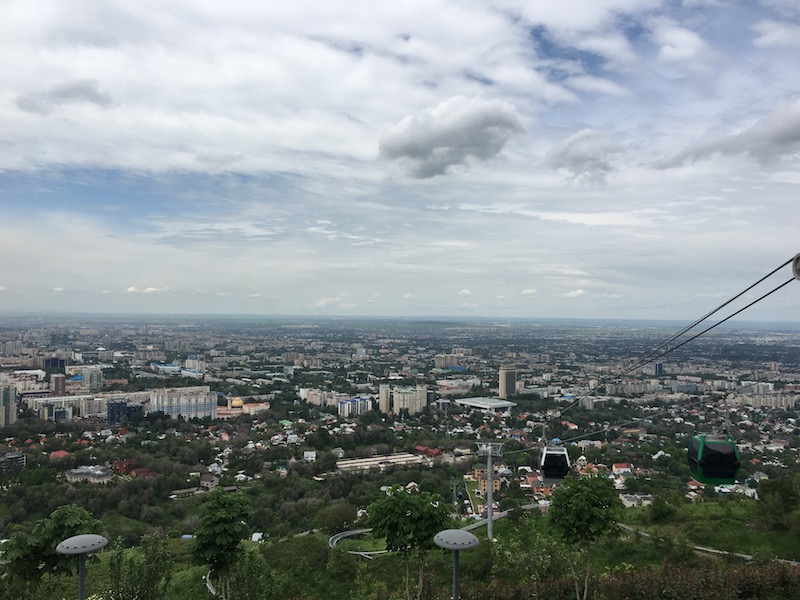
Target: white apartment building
(354, 407)
(189, 402)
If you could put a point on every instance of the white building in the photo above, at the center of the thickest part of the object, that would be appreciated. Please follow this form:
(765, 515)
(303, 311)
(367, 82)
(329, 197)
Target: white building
(189, 402)
(354, 407)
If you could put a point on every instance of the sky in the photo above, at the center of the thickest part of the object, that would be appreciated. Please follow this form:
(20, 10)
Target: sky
(508, 159)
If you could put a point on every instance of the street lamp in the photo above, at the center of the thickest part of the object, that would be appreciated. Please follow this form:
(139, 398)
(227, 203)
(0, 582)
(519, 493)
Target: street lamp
(82, 545)
(455, 540)
(490, 449)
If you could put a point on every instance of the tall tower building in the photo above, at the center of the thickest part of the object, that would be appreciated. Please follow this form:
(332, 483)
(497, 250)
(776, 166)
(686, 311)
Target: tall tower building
(58, 383)
(385, 398)
(508, 381)
(8, 404)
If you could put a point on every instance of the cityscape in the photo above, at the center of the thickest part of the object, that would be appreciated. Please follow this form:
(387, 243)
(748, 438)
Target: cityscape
(176, 408)
(399, 300)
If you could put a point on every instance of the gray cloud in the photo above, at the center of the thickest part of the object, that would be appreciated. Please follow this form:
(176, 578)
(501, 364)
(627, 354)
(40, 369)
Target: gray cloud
(79, 91)
(586, 154)
(772, 137)
(431, 142)
(776, 33)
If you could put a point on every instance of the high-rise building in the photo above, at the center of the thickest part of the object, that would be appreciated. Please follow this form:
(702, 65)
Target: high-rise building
(116, 411)
(412, 399)
(508, 381)
(385, 398)
(189, 402)
(58, 383)
(8, 404)
(354, 407)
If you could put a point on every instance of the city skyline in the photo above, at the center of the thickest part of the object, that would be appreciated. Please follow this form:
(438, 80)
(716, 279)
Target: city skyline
(589, 160)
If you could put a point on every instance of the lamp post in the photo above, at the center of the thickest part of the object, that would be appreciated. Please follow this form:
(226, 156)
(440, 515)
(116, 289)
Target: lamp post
(490, 449)
(82, 545)
(455, 540)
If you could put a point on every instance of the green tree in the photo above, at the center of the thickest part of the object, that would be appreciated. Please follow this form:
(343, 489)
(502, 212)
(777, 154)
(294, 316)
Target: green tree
(336, 517)
(583, 511)
(27, 557)
(409, 521)
(223, 525)
(142, 573)
(64, 522)
(777, 498)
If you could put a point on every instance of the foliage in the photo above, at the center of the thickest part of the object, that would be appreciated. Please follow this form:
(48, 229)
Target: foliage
(223, 525)
(409, 521)
(336, 517)
(140, 574)
(528, 553)
(661, 510)
(28, 556)
(778, 498)
(582, 512)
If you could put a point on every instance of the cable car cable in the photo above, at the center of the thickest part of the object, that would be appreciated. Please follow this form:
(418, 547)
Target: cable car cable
(795, 260)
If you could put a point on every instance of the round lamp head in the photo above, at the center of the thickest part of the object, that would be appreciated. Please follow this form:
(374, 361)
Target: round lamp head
(455, 539)
(82, 544)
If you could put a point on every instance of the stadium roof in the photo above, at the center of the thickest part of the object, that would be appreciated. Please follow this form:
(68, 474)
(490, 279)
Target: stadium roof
(492, 404)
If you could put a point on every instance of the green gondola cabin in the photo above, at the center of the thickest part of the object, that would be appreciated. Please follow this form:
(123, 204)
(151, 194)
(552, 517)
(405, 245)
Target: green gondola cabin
(714, 458)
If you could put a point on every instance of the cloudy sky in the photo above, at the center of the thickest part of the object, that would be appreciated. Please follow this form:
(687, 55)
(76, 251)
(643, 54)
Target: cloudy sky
(579, 158)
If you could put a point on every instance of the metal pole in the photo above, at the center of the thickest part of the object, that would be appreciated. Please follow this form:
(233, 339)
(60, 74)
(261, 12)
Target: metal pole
(82, 576)
(455, 574)
(489, 493)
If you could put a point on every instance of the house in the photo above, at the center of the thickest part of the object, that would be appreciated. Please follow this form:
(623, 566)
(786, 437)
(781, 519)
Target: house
(484, 486)
(208, 482)
(429, 452)
(90, 473)
(693, 485)
(123, 466)
(622, 469)
(143, 472)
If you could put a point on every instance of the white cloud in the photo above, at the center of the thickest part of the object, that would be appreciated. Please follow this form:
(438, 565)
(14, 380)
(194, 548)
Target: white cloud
(587, 154)
(575, 294)
(47, 100)
(179, 144)
(58, 289)
(599, 85)
(530, 291)
(148, 290)
(465, 293)
(431, 142)
(328, 300)
(679, 44)
(777, 33)
(773, 136)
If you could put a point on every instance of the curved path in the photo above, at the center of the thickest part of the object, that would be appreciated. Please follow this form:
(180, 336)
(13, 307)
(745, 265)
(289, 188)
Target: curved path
(336, 538)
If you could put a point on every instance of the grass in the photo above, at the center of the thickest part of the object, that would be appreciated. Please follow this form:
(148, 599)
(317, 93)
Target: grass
(730, 525)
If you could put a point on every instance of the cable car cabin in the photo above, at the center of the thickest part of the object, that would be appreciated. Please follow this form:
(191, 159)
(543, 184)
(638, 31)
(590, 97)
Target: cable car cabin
(713, 458)
(554, 463)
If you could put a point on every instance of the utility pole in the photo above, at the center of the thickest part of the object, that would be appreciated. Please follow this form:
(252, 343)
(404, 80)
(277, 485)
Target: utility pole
(490, 449)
